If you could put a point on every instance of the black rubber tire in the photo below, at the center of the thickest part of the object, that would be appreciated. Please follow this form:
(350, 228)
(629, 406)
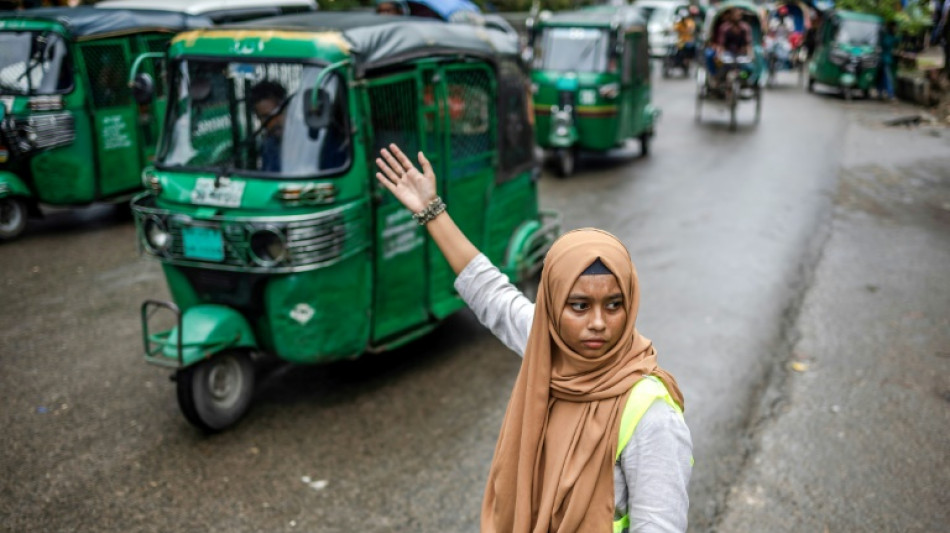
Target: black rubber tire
(566, 161)
(811, 84)
(847, 94)
(758, 104)
(734, 106)
(645, 143)
(13, 215)
(215, 393)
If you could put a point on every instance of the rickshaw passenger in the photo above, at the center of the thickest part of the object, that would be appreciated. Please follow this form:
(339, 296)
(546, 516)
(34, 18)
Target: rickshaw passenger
(733, 39)
(265, 98)
(392, 7)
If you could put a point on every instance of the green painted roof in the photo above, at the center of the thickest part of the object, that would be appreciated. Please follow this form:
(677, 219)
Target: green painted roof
(598, 16)
(370, 40)
(854, 15)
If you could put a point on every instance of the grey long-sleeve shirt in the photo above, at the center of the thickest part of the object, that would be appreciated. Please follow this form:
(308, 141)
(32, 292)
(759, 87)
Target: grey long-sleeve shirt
(652, 474)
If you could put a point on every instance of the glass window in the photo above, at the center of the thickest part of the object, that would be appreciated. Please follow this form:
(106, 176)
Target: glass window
(858, 33)
(33, 62)
(574, 50)
(232, 116)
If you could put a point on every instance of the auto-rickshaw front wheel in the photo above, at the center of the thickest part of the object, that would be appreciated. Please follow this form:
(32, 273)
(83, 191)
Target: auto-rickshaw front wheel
(215, 393)
(566, 159)
(12, 217)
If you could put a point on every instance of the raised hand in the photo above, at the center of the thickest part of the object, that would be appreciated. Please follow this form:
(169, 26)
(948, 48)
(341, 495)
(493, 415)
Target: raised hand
(414, 189)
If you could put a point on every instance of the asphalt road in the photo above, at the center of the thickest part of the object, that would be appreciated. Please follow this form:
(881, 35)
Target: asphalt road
(724, 229)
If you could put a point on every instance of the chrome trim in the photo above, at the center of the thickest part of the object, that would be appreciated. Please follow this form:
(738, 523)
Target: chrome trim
(313, 240)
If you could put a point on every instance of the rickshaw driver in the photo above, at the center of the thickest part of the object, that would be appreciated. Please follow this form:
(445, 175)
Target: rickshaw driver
(733, 39)
(392, 7)
(265, 97)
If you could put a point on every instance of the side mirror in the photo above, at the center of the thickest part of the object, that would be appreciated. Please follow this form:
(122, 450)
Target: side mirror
(143, 88)
(317, 109)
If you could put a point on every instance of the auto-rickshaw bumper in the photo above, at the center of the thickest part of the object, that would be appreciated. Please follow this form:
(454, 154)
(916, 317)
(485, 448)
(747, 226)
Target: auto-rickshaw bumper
(12, 185)
(200, 332)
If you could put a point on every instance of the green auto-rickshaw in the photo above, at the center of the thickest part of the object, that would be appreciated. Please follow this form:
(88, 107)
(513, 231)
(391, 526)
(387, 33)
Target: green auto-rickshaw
(848, 53)
(71, 132)
(591, 81)
(303, 257)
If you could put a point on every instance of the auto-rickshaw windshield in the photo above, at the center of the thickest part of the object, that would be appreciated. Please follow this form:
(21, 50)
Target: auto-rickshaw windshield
(261, 118)
(33, 63)
(858, 33)
(574, 49)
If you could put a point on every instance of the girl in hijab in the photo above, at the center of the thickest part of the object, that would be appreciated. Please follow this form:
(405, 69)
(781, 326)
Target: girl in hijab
(594, 438)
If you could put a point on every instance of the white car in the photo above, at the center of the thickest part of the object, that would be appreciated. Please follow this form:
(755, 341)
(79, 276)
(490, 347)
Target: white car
(660, 16)
(219, 11)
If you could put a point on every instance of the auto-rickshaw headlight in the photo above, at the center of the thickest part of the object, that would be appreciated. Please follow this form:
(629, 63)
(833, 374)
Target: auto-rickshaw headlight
(268, 247)
(157, 237)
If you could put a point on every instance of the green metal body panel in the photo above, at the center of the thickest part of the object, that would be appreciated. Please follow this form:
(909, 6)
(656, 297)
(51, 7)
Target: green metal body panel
(830, 58)
(12, 185)
(208, 329)
(386, 283)
(112, 136)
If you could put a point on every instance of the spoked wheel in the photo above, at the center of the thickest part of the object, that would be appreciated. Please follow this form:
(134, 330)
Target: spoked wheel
(214, 394)
(734, 105)
(700, 93)
(12, 218)
(758, 103)
(566, 161)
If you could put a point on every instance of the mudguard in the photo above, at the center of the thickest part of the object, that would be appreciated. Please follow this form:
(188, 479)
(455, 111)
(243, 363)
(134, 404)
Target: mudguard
(12, 185)
(208, 329)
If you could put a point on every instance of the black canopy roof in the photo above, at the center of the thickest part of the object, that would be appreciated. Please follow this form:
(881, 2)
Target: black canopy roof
(86, 22)
(380, 40)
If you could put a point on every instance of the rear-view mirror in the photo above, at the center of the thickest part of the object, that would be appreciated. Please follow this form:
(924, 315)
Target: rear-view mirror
(143, 88)
(316, 109)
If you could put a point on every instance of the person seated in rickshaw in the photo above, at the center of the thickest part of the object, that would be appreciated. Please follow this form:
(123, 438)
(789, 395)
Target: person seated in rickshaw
(732, 39)
(685, 29)
(781, 34)
(392, 7)
(266, 98)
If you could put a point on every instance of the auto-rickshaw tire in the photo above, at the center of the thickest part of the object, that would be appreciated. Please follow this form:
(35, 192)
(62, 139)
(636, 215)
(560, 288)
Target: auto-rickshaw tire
(734, 106)
(645, 143)
(847, 94)
(13, 215)
(215, 410)
(566, 161)
(758, 104)
(811, 84)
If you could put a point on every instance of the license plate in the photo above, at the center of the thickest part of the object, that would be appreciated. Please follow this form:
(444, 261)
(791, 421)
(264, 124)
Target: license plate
(223, 193)
(203, 243)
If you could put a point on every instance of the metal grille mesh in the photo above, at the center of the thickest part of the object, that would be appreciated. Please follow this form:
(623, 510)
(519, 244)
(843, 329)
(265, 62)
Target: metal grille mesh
(470, 108)
(395, 115)
(108, 70)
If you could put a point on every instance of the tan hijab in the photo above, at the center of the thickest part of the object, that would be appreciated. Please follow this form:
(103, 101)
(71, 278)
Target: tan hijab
(553, 464)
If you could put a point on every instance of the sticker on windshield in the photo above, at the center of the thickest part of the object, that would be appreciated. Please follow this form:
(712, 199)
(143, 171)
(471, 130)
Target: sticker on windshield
(221, 192)
(242, 70)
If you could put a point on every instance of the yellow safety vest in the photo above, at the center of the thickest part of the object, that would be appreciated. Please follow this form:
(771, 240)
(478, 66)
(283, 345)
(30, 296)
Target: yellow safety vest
(644, 393)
